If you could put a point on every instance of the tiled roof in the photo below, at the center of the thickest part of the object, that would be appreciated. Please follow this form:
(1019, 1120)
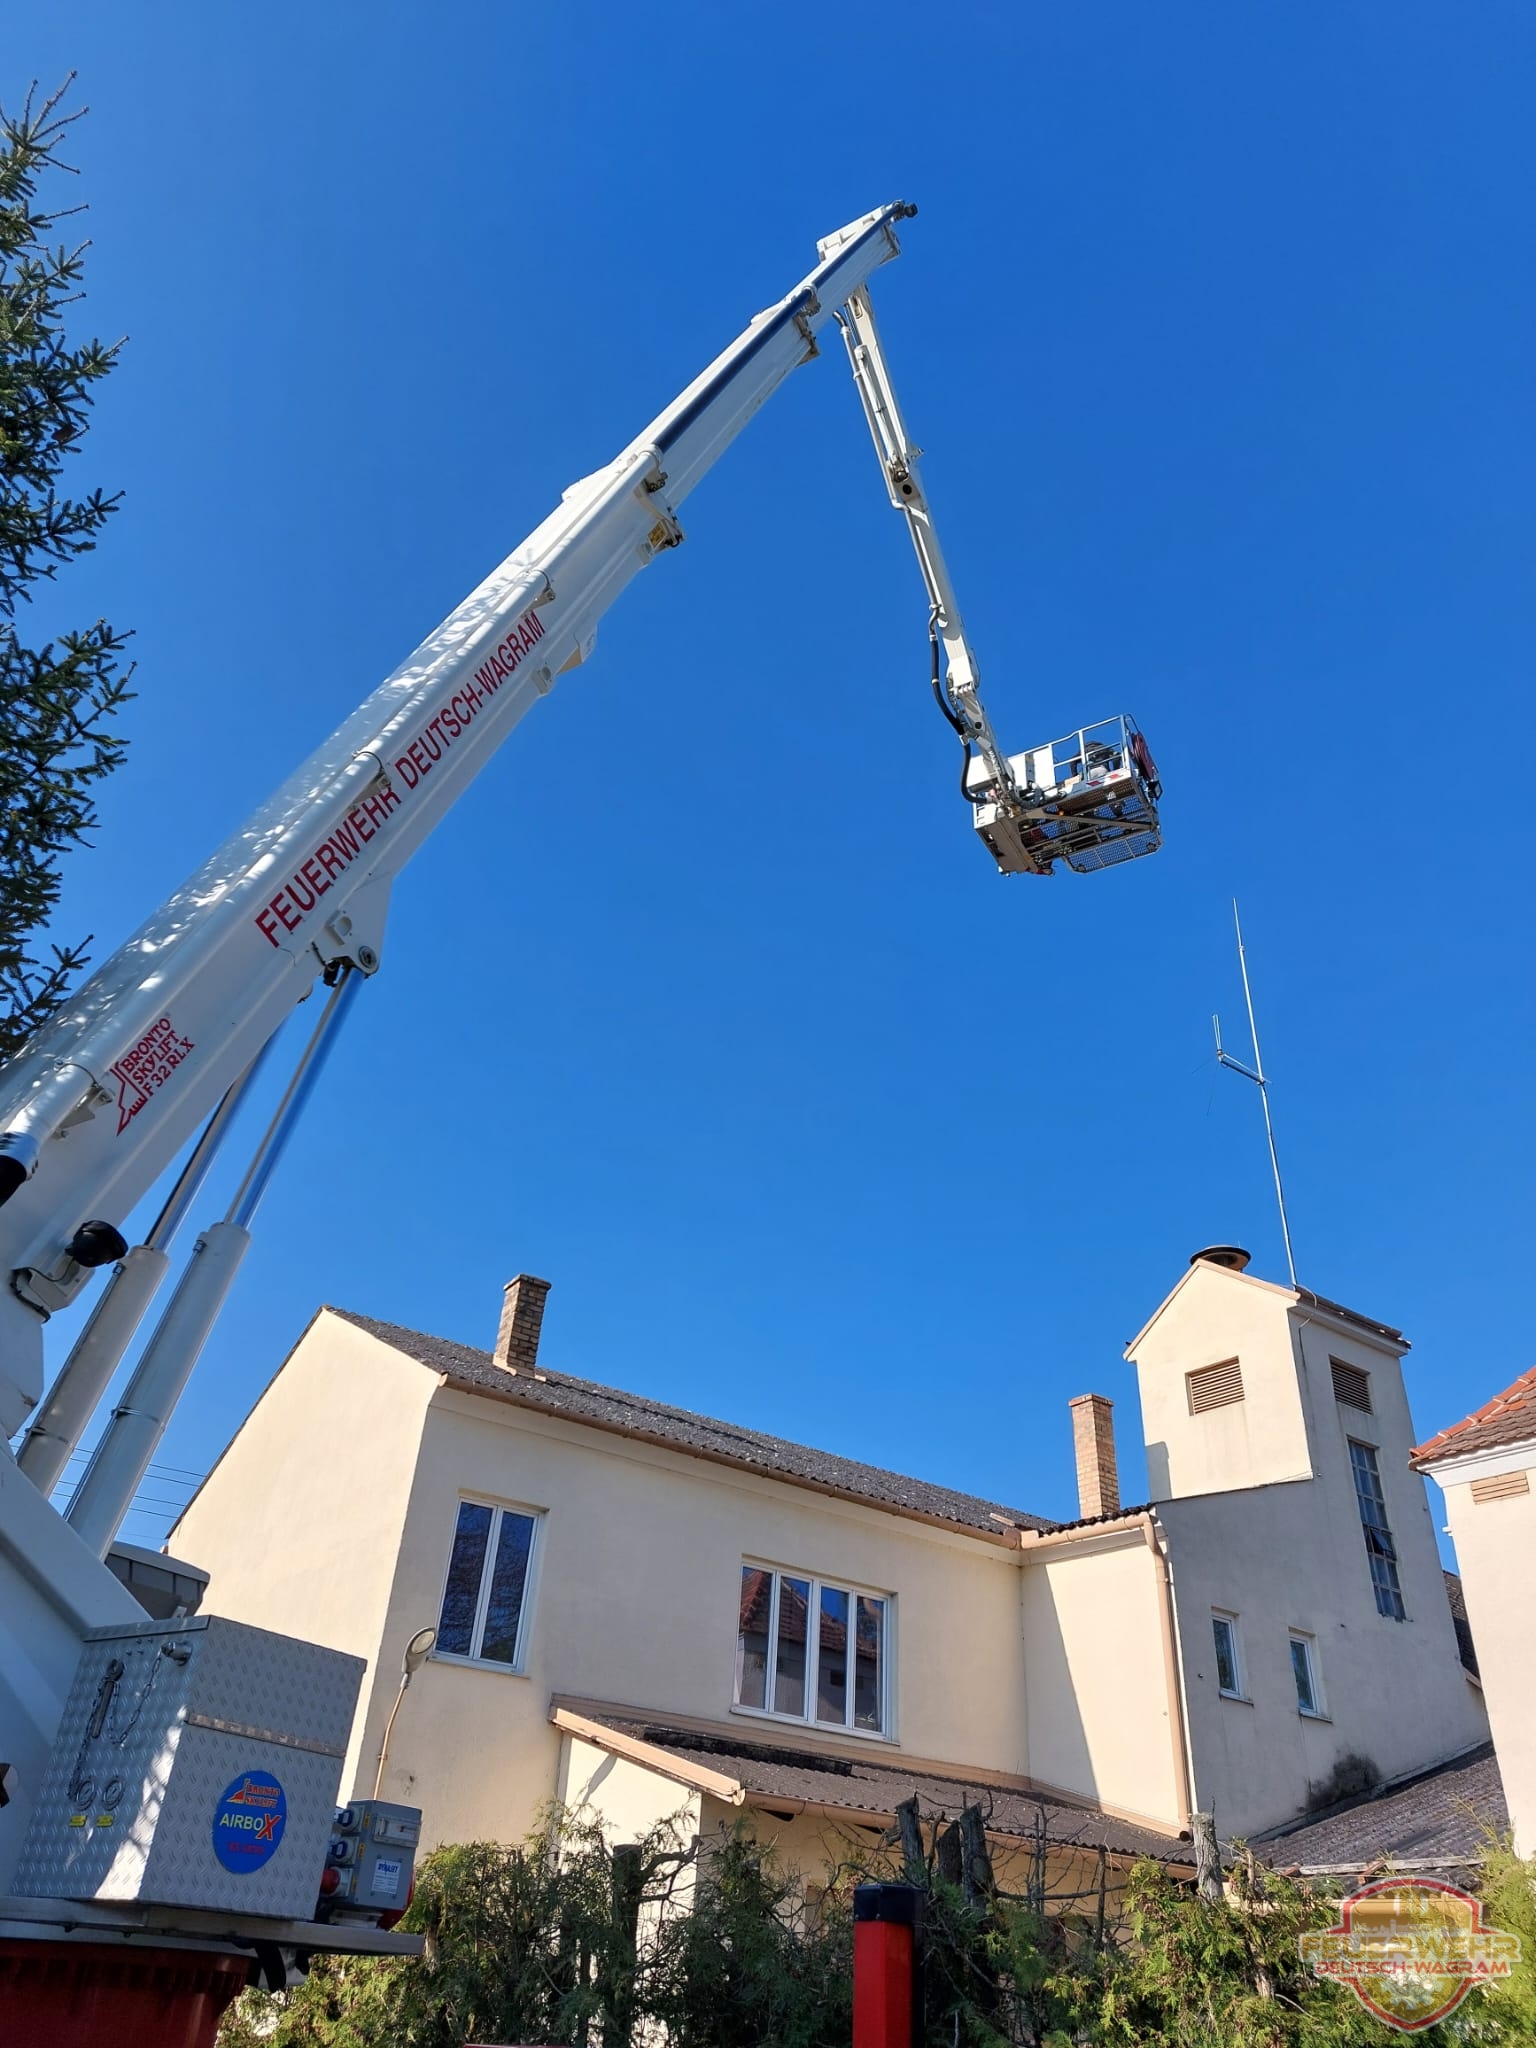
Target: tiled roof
(633, 1415)
(1440, 1817)
(876, 1788)
(1509, 1418)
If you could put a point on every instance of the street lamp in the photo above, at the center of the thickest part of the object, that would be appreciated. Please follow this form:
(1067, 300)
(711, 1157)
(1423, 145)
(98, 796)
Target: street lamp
(417, 1651)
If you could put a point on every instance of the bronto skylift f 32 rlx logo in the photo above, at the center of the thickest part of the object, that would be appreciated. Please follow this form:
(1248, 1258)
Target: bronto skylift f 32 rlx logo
(144, 1071)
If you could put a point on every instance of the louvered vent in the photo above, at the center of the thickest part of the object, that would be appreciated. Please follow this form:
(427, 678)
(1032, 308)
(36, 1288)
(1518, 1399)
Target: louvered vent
(1505, 1487)
(1351, 1385)
(1214, 1386)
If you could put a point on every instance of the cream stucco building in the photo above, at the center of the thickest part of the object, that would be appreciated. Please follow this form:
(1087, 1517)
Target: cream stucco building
(644, 1612)
(1486, 1465)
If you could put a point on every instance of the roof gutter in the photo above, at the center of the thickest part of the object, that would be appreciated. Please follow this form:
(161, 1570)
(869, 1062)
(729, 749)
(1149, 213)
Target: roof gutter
(1031, 1540)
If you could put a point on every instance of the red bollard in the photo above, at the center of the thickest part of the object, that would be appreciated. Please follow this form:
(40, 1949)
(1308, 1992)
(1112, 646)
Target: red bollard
(887, 2010)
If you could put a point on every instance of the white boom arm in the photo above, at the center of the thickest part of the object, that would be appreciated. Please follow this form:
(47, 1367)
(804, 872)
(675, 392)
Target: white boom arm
(109, 1093)
(1088, 801)
(898, 455)
(168, 1034)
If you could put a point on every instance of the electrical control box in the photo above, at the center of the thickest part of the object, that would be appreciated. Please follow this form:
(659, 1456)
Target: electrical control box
(196, 1765)
(371, 1862)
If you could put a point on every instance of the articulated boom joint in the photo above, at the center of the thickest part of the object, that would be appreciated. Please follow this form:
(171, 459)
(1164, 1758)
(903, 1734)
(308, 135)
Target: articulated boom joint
(1089, 800)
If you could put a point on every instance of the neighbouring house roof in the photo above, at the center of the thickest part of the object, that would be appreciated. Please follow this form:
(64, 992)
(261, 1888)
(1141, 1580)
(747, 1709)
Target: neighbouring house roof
(1297, 1297)
(726, 1443)
(766, 1775)
(1463, 1626)
(1439, 1819)
(1509, 1418)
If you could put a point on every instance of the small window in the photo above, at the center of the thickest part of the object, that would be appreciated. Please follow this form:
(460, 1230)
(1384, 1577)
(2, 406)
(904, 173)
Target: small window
(485, 1601)
(1229, 1663)
(1505, 1487)
(1351, 1386)
(1379, 1547)
(1309, 1699)
(1214, 1386)
(811, 1651)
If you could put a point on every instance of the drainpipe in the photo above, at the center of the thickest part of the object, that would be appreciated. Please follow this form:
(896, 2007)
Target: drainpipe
(1183, 1762)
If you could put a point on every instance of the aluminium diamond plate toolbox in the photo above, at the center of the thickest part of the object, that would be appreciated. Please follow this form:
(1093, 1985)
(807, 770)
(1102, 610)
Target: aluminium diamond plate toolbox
(196, 1765)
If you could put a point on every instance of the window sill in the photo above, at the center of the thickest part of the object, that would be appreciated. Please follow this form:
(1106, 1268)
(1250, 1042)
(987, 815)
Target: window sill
(1311, 1714)
(1236, 1699)
(477, 1664)
(812, 1727)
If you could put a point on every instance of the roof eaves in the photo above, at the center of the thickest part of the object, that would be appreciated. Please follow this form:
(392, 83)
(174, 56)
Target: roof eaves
(1005, 1537)
(586, 1403)
(636, 1750)
(1305, 1297)
(1297, 1297)
(876, 1786)
(1089, 1525)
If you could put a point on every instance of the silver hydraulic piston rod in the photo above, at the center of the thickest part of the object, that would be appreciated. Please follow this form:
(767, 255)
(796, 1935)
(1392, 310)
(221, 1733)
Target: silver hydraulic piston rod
(101, 1346)
(133, 1434)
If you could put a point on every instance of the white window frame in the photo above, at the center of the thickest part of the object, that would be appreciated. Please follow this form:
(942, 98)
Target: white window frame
(1390, 1581)
(886, 1731)
(1239, 1661)
(1318, 1710)
(518, 1668)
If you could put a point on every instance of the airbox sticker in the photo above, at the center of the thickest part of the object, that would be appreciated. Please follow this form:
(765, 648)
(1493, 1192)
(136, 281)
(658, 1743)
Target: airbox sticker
(248, 1822)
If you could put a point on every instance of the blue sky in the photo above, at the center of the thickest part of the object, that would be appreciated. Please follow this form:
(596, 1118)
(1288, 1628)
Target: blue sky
(705, 1004)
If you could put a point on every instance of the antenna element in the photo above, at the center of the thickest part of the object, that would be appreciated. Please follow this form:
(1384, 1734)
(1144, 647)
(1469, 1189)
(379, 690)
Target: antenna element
(1255, 1073)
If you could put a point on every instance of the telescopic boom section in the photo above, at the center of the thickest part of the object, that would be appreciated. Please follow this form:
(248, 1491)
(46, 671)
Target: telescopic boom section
(1089, 800)
(108, 1094)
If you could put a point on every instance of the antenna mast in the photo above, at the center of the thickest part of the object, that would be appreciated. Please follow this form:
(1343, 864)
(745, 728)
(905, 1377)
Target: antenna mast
(1256, 1074)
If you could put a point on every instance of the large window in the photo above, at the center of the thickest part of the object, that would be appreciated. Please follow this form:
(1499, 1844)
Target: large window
(811, 1651)
(1379, 1547)
(485, 1602)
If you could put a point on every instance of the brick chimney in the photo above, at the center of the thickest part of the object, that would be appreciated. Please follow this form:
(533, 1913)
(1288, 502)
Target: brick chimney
(1093, 1439)
(522, 1314)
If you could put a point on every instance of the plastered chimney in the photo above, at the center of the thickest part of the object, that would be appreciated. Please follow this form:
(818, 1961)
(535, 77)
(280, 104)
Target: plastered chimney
(522, 1316)
(1093, 1439)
